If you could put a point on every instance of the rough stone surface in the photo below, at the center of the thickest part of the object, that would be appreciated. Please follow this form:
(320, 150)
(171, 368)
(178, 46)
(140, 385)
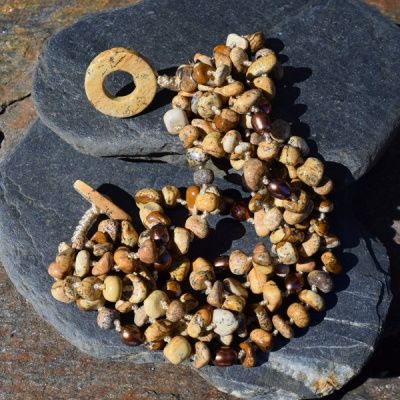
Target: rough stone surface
(35, 217)
(339, 57)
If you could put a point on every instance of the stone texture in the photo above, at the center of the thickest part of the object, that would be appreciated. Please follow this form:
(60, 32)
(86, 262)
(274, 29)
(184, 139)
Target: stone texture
(335, 91)
(35, 217)
(25, 25)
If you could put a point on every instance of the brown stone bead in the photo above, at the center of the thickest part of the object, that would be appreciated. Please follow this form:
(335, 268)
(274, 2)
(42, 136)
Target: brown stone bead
(225, 357)
(191, 194)
(57, 271)
(260, 122)
(132, 335)
(148, 252)
(159, 234)
(200, 73)
(321, 280)
(226, 120)
(240, 211)
(163, 262)
(294, 282)
(222, 49)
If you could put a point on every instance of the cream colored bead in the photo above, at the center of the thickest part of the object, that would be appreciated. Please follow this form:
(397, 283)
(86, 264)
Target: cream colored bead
(202, 355)
(262, 66)
(287, 253)
(182, 238)
(129, 236)
(112, 288)
(177, 350)
(174, 120)
(154, 304)
(82, 263)
(266, 221)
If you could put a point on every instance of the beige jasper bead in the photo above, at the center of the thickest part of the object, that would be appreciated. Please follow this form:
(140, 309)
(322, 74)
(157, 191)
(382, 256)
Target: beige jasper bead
(234, 303)
(112, 288)
(299, 314)
(331, 263)
(202, 355)
(158, 330)
(129, 236)
(287, 253)
(104, 265)
(198, 322)
(267, 85)
(170, 195)
(310, 246)
(58, 292)
(182, 238)
(208, 202)
(120, 59)
(246, 100)
(282, 326)
(272, 296)
(154, 304)
(253, 172)
(262, 339)
(266, 221)
(239, 263)
(293, 218)
(177, 350)
(325, 187)
(257, 280)
(268, 150)
(306, 265)
(313, 299)
(147, 195)
(82, 263)
(198, 226)
(262, 66)
(212, 145)
(311, 172)
(180, 269)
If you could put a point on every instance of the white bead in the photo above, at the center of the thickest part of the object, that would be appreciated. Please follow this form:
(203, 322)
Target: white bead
(174, 120)
(234, 40)
(225, 322)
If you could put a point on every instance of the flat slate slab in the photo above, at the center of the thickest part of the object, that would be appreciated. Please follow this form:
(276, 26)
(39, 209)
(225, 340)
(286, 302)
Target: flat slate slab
(39, 208)
(341, 58)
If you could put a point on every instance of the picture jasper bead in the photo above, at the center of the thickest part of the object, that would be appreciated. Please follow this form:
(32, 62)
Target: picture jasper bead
(131, 335)
(299, 315)
(177, 350)
(106, 317)
(321, 280)
(262, 339)
(225, 357)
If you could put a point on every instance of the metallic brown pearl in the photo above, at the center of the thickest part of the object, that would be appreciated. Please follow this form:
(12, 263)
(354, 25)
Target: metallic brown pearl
(131, 335)
(279, 189)
(160, 234)
(277, 170)
(240, 211)
(225, 357)
(163, 262)
(221, 263)
(260, 122)
(294, 282)
(282, 270)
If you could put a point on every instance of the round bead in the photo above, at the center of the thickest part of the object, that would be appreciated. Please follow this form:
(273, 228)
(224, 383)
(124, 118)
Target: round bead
(203, 176)
(131, 335)
(225, 357)
(221, 263)
(260, 122)
(191, 194)
(163, 262)
(282, 270)
(200, 73)
(279, 189)
(106, 318)
(321, 280)
(240, 211)
(112, 288)
(160, 234)
(294, 282)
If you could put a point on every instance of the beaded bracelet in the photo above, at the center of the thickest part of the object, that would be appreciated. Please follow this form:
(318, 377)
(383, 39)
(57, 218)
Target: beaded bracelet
(228, 310)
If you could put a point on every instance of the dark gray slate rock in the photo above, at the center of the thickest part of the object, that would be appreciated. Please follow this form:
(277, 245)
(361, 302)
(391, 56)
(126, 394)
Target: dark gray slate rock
(39, 208)
(341, 88)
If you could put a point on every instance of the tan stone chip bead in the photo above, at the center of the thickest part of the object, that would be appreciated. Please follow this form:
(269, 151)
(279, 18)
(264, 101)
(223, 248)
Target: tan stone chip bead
(177, 350)
(120, 59)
